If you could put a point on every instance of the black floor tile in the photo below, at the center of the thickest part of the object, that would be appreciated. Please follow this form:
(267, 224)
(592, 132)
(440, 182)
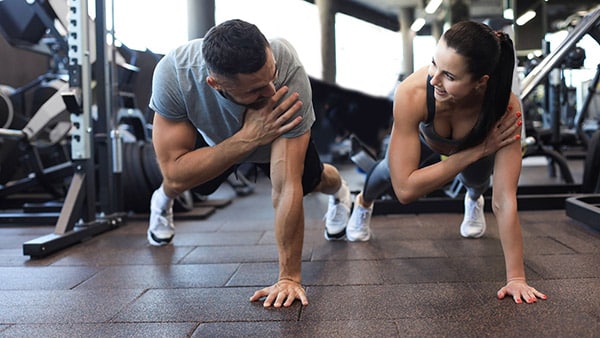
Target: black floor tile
(203, 305)
(64, 306)
(415, 278)
(141, 330)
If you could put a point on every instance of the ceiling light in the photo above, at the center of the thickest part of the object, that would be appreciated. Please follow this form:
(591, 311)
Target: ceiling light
(432, 6)
(417, 25)
(508, 14)
(523, 19)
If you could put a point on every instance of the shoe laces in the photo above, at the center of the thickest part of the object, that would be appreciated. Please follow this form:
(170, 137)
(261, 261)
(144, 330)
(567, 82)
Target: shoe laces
(334, 211)
(473, 209)
(364, 214)
(165, 218)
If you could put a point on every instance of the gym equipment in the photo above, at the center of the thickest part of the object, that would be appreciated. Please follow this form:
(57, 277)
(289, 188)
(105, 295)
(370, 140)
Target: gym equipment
(588, 25)
(585, 209)
(580, 207)
(81, 215)
(6, 107)
(591, 178)
(35, 143)
(47, 126)
(32, 150)
(32, 140)
(342, 112)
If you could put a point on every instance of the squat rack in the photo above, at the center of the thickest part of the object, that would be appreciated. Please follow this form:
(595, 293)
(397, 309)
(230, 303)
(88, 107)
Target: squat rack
(79, 218)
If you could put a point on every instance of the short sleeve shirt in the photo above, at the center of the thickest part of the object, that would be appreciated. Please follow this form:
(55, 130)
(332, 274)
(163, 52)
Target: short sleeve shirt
(180, 92)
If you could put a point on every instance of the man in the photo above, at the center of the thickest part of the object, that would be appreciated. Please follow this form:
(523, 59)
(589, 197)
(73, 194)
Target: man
(231, 98)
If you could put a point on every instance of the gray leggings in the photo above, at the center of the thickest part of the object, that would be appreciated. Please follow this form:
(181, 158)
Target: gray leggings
(475, 178)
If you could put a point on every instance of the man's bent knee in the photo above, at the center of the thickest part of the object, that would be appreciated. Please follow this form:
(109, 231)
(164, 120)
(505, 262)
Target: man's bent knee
(331, 180)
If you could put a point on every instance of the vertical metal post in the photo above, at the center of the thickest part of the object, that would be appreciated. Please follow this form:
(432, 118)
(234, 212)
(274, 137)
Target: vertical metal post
(80, 202)
(80, 79)
(109, 185)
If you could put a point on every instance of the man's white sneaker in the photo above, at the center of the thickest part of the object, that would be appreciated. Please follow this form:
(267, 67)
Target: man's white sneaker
(473, 224)
(161, 229)
(359, 225)
(336, 218)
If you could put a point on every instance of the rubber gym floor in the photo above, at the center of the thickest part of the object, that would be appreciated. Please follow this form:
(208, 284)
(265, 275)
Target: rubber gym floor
(416, 278)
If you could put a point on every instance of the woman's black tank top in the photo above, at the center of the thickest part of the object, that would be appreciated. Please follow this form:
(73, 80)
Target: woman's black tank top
(427, 133)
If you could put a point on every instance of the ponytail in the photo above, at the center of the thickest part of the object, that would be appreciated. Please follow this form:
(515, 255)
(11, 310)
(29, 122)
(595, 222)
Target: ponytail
(497, 94)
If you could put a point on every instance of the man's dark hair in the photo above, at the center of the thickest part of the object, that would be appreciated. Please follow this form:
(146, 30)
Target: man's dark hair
(487, 52)
(234, 47)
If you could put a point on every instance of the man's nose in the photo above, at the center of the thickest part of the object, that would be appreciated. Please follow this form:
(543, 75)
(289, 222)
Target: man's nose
(269, 90)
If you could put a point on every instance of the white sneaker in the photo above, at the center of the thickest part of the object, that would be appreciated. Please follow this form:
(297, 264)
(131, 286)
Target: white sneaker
(336, 218)
(359, 225)
(473, 224)
(161, 229)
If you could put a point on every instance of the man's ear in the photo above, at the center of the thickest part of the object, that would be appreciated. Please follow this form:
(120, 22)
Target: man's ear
(211, 81)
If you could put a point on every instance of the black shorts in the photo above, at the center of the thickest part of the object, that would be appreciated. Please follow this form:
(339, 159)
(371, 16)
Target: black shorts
(313, 169)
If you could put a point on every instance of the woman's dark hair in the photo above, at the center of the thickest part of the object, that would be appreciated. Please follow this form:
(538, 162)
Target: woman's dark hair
(487, 52)
(234, 47)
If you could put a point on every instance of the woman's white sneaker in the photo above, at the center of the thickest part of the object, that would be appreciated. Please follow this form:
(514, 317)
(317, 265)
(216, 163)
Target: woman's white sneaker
(359, 225)
(473, 224)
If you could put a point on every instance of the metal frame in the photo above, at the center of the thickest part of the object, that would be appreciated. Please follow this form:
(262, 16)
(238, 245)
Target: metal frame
(585, 209)
(531, 197)
(77, 219)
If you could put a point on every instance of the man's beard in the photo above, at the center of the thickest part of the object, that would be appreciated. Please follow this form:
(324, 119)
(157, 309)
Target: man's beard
(258, 104)
(261, 102)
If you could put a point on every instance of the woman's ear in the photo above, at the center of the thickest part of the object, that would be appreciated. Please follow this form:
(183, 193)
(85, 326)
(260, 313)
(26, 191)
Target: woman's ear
(483, 81)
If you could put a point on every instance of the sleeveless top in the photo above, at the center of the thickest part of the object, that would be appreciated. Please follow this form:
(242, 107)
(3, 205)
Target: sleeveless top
(427, 133)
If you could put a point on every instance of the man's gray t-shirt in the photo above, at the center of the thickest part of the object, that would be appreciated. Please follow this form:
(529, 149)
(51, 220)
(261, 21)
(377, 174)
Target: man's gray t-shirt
(180, 92)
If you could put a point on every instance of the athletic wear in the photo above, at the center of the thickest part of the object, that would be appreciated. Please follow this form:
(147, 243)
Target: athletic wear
(475, 177)
(180, 92)
(359, 225)
(161, 229)
(427, 133)
(473, 224)
(338, 212)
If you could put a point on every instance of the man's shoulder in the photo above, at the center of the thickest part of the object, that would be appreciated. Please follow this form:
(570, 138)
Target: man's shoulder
(189, 53)
(282, 48)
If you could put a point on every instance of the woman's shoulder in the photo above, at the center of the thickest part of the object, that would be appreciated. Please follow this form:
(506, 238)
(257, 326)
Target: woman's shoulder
(414, 87)
(411, 95)
(415, 83)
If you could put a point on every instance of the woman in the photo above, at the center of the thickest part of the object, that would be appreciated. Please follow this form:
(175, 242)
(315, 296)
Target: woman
(460, 106)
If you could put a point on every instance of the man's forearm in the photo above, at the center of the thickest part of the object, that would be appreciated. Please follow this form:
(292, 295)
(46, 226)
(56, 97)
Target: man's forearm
(203, 164)
(289, 233)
